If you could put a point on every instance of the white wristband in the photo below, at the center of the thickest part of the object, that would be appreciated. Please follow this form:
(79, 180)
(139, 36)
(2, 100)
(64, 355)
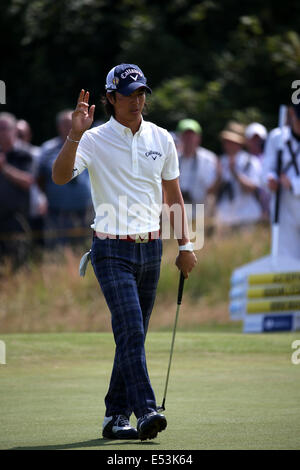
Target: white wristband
(188, 247)
(71, 140)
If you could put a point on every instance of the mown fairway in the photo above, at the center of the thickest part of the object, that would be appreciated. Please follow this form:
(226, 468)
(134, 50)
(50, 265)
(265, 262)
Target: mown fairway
(226, 391)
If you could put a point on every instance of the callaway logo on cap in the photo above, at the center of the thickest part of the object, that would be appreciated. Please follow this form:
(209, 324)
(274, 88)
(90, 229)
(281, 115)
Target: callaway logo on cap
(126, 78)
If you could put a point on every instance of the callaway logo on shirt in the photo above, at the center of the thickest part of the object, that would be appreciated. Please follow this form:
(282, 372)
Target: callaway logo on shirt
(153, 154)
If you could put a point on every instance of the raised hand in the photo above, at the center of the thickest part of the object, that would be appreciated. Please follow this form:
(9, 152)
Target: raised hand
(83, 116)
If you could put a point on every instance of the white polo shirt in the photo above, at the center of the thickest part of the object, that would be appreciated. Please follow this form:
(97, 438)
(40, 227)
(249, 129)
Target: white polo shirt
(126, 173)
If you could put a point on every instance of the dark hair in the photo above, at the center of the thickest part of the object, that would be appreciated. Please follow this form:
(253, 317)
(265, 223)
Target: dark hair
(110, 109)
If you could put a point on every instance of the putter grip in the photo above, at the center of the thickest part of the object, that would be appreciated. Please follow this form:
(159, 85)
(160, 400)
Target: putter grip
(180, 288)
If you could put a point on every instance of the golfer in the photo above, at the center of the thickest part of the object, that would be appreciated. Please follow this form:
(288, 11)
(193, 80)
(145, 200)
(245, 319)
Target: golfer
(131, 162)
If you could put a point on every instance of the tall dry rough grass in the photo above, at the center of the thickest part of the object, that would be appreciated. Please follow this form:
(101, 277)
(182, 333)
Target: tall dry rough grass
(49, 295)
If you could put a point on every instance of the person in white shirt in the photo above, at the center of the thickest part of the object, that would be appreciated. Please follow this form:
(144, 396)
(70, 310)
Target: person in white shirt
(288, 180)
(255, 138)
(198, 165)
(256, 135)
(238, 181)
(130, 163)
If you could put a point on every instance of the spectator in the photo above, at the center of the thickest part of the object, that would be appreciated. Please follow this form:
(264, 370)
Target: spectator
(69, 206)
(256, 135)
(15, 182)
(288, 179)
(24, 134)
(198, 166)
(38, 200)
(238, 180)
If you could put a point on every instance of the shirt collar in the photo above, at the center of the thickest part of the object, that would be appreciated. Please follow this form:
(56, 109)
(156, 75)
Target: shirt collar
(123, 130)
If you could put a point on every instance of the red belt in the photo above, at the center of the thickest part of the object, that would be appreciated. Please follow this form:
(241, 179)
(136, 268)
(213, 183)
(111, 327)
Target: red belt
(136, 238)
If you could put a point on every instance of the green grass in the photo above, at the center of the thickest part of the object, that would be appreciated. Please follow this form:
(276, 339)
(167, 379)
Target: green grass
(226, 391)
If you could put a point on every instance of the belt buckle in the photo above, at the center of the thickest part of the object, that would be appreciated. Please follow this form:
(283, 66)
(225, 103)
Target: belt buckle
(142, 238)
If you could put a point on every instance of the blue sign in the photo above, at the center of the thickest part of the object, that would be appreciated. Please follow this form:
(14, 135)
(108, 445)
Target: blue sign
(278, 323)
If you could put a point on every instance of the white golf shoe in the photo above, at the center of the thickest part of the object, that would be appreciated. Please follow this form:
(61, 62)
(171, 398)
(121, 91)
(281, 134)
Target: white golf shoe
(118, 427)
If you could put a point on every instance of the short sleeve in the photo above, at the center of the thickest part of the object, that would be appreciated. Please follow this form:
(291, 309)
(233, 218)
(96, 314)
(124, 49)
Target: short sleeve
(170, 169)
(83, 154)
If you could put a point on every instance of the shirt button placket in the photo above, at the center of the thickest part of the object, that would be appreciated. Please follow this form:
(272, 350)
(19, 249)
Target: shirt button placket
(134, 155)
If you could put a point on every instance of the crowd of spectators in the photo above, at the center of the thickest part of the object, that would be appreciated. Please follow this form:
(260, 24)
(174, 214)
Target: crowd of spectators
(230, 185)
(34, 211)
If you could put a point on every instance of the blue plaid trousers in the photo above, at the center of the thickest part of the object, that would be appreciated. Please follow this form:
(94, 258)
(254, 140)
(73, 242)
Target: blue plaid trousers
(128, 274)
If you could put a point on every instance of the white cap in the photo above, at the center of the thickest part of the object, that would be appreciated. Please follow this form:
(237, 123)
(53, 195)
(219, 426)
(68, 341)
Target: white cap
(255, 128)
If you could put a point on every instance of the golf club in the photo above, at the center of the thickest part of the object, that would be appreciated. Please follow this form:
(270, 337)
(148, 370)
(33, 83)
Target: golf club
(179, 297)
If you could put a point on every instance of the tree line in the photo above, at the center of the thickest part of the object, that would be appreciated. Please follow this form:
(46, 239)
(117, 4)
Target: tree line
(208, 60)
